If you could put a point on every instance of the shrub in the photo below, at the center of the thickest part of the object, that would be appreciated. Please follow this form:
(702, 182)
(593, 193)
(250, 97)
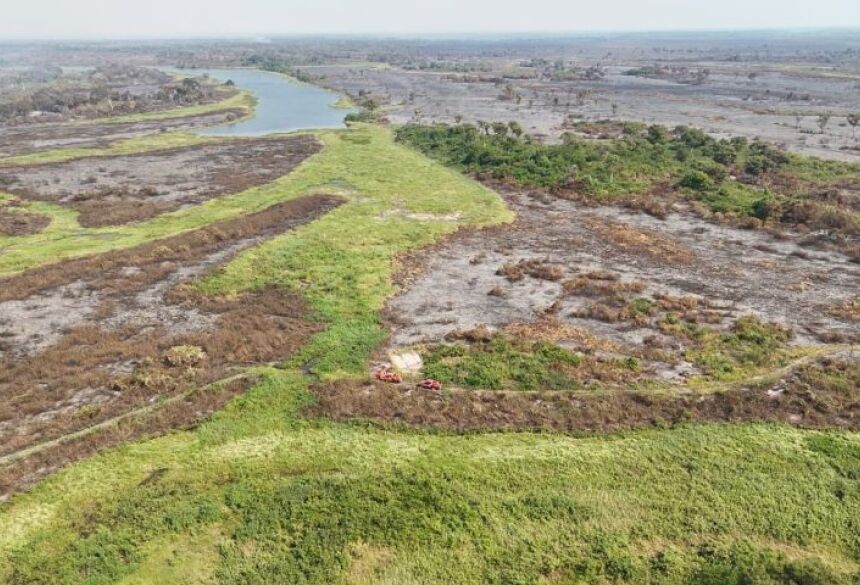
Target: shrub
(697, 181)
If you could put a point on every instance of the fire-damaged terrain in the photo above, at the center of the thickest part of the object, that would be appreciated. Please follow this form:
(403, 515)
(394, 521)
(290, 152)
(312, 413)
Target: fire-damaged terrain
(87, 340)
(115, 190)
(28, 139)
(638, 301)
(509, 324)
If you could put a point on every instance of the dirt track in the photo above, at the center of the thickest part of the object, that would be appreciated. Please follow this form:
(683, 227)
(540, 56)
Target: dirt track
(798, 399)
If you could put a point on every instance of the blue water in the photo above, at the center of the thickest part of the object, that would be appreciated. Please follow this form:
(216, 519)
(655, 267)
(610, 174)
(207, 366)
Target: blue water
(283, 105)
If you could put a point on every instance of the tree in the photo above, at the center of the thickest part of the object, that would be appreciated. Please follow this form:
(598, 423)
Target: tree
(798, 118)
(823, 121)
(515, 128)
(500, 129)
(853, 121)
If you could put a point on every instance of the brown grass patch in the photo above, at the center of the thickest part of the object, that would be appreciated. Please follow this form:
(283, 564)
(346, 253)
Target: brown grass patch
(642, 241)
(850, 309)
(539, 269)
(554, 330)
(185, 413)
(93, 214)
(803, 400)
(601, 284)
(17, 222)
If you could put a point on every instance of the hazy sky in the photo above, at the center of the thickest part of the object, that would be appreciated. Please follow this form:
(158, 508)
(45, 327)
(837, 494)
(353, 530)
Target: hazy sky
(171, 18)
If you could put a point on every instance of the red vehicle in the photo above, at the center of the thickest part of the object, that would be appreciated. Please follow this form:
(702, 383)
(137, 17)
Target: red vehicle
(430, 384)
(388, 376)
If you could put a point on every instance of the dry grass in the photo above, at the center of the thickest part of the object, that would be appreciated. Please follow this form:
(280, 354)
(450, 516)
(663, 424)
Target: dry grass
(15, 222)
(554, 330)
(601, 284)
(641, 241)
(540, 269)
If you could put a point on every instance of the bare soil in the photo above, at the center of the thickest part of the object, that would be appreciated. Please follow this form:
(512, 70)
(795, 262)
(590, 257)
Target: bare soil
(115, 190)
(584, 266)
(86, 340)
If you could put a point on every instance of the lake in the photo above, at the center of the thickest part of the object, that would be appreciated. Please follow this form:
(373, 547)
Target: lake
(283, 105)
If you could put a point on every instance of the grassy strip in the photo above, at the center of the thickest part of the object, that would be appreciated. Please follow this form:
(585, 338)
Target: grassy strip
(129, 146)
(260, 495)
(244, 100)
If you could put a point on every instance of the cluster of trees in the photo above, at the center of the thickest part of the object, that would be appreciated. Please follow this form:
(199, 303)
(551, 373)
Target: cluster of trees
(109, 90)
(678, 74)
(502, 151)
(729, 176)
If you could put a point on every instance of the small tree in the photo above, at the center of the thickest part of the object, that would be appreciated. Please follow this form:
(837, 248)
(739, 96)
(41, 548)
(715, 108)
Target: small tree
(823, 121)
(798, 118)
(853, 121)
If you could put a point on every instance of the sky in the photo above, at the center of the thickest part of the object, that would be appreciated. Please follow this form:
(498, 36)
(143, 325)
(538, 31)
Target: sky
(46, 19)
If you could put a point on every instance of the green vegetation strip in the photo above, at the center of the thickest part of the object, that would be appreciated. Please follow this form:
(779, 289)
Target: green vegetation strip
(261, 495)
(746, 179)
(244, 100)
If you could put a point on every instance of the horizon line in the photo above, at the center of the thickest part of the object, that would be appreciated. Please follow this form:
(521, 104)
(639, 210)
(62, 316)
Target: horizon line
(454, 35)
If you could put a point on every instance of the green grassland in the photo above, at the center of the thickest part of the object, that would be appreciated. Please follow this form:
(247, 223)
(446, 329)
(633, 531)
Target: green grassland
(260, 494)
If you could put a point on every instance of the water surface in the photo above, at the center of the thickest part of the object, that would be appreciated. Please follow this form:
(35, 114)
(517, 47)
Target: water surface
(283, 105)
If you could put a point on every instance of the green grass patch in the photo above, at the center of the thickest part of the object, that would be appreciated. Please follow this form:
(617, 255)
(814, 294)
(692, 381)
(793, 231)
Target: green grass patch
(748, 348)
(244, 100)
(502, 364)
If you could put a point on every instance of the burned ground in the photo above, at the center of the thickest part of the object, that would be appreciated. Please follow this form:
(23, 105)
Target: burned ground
(823, 394)
(87, 340)
(614, 285)
(776, 102)
(20, 140)
(116, 190)
(605, 258)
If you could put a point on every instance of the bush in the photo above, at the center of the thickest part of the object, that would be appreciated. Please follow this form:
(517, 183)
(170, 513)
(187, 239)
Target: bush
(697, 181)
